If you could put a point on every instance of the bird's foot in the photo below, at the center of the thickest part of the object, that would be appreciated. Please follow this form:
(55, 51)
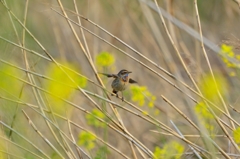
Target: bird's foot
(113, 94)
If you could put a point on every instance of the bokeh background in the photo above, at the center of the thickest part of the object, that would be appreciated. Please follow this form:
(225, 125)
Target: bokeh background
(51, 80)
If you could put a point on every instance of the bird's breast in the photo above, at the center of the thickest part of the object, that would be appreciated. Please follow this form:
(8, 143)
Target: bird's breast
(119, 84)
(125, 78)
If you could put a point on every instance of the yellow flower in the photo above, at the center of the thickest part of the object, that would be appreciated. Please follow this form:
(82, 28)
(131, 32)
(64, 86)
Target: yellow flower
(105, 59)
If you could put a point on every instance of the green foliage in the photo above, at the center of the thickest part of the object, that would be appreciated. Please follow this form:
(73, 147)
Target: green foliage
(105, 59)
(62, 87)
(205, 116)
(55, 156)
(3, 146)
(140, 94)
(10, 87)
(91, 120)
(102, 152)
(8, 83)
(201, 108)
(172, 150)
(236, 135)
(87, 140)
(4, 19)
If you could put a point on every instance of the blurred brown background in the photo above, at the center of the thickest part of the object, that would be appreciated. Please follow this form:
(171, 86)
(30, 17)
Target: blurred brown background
(138, 26)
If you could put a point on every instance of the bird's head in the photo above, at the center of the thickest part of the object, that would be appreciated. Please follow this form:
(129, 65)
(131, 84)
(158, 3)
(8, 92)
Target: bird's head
(124, 74)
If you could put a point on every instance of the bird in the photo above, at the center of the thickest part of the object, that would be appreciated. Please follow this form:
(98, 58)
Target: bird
(120, 82)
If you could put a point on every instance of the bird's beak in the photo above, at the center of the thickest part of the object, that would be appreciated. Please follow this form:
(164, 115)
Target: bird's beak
(129, 72)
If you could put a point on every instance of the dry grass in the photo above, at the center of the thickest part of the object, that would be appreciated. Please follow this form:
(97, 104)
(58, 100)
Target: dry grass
(47, 47)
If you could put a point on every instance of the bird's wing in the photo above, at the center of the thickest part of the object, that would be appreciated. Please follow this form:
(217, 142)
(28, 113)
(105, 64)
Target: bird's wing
(132, 81)
(109, 75)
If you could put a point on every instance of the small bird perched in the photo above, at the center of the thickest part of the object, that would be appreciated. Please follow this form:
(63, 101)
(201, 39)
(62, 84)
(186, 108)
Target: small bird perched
(120, 82)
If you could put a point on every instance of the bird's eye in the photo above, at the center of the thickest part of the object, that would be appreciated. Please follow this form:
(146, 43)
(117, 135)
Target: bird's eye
(123, 73)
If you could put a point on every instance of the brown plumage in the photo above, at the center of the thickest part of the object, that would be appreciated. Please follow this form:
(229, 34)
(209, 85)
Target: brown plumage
(121, 80)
